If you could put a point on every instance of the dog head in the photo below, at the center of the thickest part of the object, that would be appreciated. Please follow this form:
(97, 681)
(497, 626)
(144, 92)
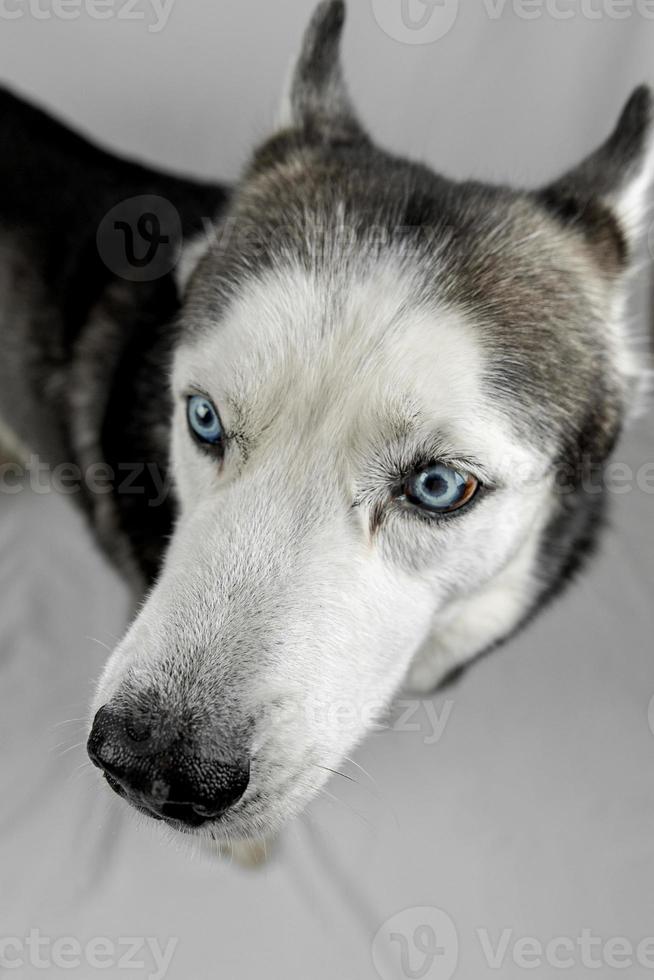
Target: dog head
(389, 388)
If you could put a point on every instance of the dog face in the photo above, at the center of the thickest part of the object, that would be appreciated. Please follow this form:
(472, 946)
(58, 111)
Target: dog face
(388, 388)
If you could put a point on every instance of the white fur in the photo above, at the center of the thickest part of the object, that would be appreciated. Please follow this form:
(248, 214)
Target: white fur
(631, 203)
(279, 602)
(633, 209)
(192, 251)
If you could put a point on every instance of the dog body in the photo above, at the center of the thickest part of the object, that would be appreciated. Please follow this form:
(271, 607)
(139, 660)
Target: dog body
(358, 339)
(81, 346)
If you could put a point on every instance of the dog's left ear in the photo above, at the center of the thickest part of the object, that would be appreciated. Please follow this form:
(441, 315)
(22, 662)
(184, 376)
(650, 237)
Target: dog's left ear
(606, 197)
(317, 100)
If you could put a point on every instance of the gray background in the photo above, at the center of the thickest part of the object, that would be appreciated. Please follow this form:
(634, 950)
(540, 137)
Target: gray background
(534, 811)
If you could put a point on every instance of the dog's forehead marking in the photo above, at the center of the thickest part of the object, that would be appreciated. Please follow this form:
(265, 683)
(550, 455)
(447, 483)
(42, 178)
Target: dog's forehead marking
(353, 352)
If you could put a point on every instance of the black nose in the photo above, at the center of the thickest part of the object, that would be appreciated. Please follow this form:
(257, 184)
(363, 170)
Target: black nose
(162, 775)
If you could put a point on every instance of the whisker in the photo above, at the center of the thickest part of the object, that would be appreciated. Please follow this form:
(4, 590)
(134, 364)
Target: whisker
(336, 772)
(68, 721)
(84, 769)
(70, 748)
(357, 766)
(100, 643)
(346, 806)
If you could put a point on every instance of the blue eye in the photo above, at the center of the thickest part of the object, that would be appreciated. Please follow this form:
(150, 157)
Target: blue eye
(440, 489)
(203, 420)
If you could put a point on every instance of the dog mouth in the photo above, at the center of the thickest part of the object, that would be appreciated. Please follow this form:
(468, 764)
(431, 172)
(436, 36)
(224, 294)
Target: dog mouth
(186, 818)
(194, 790)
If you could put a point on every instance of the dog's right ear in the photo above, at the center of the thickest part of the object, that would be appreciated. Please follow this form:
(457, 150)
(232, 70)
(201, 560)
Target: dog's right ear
(317, 100)
(607, 196)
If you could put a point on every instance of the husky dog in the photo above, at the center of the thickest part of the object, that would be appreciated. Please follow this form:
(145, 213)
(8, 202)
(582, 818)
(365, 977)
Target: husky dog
(376, 392)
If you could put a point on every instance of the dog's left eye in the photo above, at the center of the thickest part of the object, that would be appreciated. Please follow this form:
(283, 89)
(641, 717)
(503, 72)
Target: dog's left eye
(204, 421)
(440, 489)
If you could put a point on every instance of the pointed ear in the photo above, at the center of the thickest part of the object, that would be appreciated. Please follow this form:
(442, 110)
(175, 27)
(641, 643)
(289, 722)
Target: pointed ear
(607, 197)
(317, 99)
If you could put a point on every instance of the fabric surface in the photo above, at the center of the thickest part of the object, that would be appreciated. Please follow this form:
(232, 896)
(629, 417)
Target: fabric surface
(520, 802)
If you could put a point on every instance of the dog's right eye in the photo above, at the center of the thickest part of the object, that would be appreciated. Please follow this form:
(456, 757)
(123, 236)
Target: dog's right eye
(440, 489)
(204, 421)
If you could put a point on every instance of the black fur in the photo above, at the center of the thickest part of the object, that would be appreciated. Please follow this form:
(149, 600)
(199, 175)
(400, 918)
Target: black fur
(55, 189)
